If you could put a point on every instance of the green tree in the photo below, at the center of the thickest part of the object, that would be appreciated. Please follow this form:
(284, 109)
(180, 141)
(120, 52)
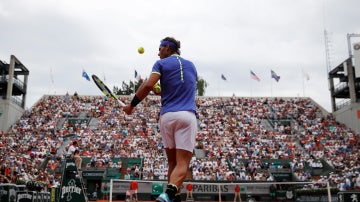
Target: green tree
(201, 86)
(128, 88)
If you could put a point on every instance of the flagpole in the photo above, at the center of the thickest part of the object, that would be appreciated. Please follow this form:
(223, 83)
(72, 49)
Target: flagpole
(51, 87)
(271, 77)
(251, 89)
(250, 85)
(134, 81)
(218, 88)
(303, 83)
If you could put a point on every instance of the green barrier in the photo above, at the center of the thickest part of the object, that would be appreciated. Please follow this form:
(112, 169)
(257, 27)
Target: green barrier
(157, 188)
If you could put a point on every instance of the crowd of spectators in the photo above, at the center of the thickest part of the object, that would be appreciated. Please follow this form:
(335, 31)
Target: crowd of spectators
(235, 134)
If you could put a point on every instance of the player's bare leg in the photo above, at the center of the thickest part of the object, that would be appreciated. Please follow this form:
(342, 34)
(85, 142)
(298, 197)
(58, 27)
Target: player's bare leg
(178, 160)
(179, 169)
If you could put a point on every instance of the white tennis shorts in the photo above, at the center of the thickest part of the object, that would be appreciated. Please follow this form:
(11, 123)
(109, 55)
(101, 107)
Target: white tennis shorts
(178, 130)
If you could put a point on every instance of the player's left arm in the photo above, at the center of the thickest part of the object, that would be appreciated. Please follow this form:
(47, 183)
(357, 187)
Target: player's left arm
(147, 86)
(143, 91)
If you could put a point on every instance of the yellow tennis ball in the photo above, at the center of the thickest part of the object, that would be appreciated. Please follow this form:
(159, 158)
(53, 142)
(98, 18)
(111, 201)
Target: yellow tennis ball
(157, 88)
(141, 50)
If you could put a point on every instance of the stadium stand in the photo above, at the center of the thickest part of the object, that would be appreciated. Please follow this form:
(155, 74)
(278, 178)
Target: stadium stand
(239, 138)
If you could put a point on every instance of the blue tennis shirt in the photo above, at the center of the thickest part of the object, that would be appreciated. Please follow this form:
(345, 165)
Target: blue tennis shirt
(178, 84)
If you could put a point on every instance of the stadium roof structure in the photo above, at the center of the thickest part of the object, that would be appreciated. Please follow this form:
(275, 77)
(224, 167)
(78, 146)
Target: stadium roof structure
(341, 90)
(19, 70)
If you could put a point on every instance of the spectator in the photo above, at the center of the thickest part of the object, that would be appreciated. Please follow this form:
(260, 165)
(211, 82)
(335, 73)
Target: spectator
(78, 159)
(105, 191)
(72, 148)
(357, 180)
(133, 190)
(237, 193)
(189, 191)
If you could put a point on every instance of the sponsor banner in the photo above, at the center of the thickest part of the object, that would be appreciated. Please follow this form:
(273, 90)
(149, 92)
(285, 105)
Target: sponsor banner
(147, 187)
(24, 196)
(349, 196)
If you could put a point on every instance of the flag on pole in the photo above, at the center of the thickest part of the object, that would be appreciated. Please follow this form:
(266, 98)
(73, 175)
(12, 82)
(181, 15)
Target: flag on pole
(253, 76)
(137, 76)
(275, 76)
(223, 77)
(85, 75)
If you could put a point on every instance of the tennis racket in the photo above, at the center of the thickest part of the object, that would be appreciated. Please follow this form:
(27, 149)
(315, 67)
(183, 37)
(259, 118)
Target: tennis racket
(104, 89)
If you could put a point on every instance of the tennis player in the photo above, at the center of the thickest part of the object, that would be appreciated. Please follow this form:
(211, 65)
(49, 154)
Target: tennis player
(178, 125)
